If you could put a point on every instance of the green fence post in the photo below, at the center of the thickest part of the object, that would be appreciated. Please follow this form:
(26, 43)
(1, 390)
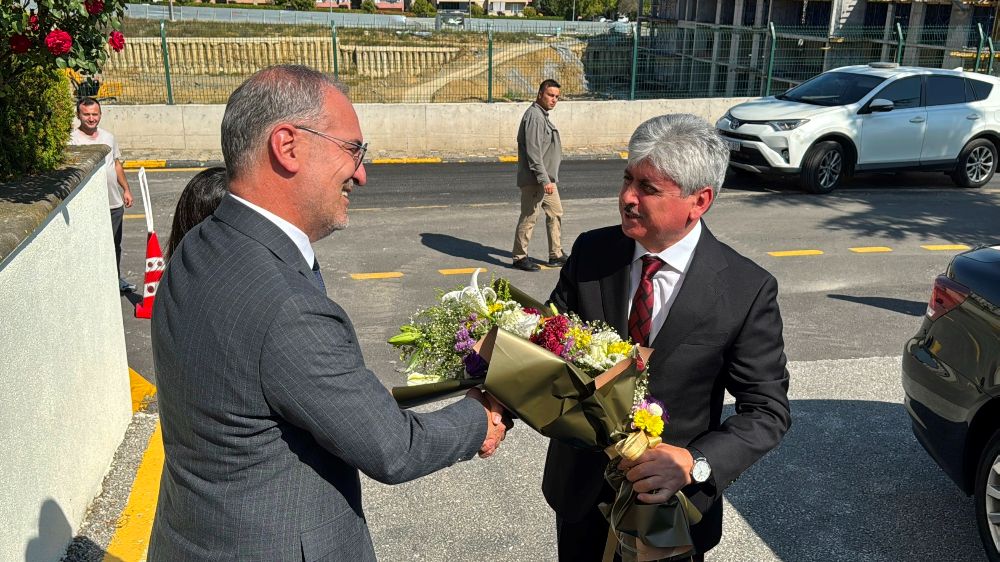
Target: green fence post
(635, 59)
(899, 43)
(989, 43)
(979, 48)
(336, 50)
(770, 59)
(166, 62)
(489, 63)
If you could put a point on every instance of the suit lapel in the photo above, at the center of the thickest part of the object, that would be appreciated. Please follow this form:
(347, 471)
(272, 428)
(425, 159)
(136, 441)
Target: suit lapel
(259, 228)
(698, 293)
(614, 287)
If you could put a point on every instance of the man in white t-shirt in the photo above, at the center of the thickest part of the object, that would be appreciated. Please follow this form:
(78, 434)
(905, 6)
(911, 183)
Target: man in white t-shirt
(88, 111)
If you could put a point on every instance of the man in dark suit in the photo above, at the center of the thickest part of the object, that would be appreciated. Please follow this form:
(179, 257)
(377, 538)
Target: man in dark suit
(711, 316)
(268, 410)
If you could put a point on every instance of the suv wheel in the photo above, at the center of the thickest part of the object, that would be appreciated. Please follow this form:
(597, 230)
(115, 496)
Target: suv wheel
(823, 167)
(976, 164)
(987, 491)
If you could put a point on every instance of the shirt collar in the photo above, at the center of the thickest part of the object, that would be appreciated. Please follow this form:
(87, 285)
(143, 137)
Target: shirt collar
(544, 111)
(677, 256)
(298, 237)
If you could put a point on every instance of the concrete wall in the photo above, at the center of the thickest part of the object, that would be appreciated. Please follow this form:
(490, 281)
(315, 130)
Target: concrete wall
(64, 384)
(191, 132)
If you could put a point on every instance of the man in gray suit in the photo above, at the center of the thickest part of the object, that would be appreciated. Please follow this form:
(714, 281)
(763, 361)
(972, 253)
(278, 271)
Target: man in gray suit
(268, 410)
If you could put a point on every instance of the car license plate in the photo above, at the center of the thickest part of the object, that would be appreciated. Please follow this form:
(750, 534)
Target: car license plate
(733, 145)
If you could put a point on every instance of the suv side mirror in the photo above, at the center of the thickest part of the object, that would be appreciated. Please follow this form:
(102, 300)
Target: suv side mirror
(880, 105)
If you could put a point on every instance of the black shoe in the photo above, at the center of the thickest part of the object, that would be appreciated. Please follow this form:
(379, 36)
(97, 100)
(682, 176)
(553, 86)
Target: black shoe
(525, 264)
(558, 262)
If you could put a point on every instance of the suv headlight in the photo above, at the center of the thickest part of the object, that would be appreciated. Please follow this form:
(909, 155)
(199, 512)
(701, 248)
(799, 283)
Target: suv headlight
(787, 125)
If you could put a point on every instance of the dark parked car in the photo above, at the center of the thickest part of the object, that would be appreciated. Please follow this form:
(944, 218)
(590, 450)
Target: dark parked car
(951, 376)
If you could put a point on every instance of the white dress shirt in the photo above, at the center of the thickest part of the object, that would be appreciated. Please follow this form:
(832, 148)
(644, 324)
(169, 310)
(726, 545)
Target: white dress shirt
(298, 237)
(667, 281)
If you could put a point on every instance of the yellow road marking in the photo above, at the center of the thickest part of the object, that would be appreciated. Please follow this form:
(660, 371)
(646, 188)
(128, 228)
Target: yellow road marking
(623, 155)
(133, 217)
(870, 249)
(508, 158)
(791, 253)
(382, 275)
(142, 391)
(944, 247)
(400, 208)
(406, 161)
(176, 169)
(135, 524)
(462, 271)
(136, 164)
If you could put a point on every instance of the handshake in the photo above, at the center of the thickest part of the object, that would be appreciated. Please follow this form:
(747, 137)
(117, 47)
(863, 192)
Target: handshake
(497, 418)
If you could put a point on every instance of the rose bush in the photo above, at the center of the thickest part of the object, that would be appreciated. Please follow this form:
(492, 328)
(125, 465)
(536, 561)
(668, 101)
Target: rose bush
(36, 40)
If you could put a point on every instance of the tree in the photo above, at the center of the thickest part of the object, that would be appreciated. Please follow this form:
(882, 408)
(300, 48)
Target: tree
(422, 8)
(530, 12)
(297, 5)
(560, 8)
(628, 7)
(477, 11)
(368, 6)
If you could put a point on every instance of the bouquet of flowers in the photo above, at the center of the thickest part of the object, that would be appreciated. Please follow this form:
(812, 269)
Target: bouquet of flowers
(573, 381)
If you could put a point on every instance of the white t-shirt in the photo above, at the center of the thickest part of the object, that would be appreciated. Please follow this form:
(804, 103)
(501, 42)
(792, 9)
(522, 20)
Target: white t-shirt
(78, 138)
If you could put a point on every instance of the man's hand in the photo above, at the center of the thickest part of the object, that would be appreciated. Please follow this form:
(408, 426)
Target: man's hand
(498, 421)
(127, 197)
(550, 188)
(659, 473)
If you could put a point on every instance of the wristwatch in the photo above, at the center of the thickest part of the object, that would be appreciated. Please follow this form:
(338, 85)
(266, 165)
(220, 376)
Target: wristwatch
(701, 469)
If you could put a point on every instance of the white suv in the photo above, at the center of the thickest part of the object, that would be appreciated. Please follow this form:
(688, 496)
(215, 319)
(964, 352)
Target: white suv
(877, 117)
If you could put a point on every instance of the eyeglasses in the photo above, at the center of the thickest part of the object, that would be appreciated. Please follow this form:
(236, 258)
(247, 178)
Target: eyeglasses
(357, 151)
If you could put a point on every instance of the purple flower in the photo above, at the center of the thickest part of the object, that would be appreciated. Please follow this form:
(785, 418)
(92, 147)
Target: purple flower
(474, 364)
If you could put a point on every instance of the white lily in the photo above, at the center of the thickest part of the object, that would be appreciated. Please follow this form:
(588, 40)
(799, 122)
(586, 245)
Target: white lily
(476, 296)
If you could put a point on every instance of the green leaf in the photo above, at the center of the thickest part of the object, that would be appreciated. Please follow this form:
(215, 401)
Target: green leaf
(60, 62)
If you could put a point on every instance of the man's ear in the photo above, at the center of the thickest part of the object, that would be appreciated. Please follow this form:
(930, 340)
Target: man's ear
(704, 198)
(286, 152)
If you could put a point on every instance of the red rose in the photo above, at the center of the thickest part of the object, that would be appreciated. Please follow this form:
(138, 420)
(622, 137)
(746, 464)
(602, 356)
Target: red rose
(58, 42)
(33, 22)
(94, 7)
(19, 43)
(116, 40)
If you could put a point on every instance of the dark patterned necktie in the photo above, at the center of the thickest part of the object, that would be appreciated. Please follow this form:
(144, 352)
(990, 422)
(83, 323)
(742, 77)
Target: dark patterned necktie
(319, 275)
(640, 320)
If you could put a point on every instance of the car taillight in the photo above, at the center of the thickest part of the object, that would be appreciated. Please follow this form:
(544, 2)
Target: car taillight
(947, 295)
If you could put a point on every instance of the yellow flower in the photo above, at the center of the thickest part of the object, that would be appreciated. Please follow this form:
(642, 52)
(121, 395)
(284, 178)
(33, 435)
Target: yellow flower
(646, 421)
(495, 307)
(581, 338)
(619, 347)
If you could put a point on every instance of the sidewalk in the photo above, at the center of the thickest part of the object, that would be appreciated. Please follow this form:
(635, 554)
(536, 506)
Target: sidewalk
(119, 521)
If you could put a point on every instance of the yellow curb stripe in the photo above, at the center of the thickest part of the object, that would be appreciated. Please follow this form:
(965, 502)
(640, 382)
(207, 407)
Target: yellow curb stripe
(870, 249)
(406, 161)
(944, 247)
(792, 253)
(177, 170)
(382, 275)
(131, 539)
(142, 391)
(136, 164)
(623, 155)
(508, 158)
(462, 271)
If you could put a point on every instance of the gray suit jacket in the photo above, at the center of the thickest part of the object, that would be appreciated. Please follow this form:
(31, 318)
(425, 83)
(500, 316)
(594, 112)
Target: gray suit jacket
(268, 411)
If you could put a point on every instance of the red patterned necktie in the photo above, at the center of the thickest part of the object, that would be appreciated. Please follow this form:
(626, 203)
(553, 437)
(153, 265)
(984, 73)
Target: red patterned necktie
(640, 320)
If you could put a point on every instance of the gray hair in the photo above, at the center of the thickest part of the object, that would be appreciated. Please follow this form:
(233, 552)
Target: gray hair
(684, 148)
(272, 95)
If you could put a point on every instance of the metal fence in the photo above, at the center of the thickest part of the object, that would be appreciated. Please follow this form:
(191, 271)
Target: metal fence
(202, 62)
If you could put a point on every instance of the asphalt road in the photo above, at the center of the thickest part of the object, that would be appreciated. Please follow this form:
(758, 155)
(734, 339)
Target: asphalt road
(848, 483)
